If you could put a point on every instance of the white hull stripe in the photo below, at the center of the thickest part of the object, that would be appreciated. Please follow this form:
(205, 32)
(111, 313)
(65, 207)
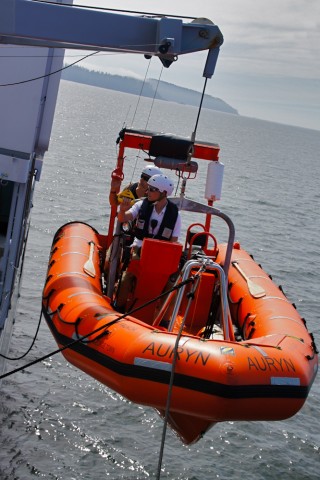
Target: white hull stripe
(145, 362)
(285, 381)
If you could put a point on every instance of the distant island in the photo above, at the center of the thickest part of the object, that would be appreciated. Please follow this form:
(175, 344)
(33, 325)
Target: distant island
(165, 91)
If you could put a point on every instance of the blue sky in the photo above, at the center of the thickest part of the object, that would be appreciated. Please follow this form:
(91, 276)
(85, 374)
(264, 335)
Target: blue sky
(269, 64)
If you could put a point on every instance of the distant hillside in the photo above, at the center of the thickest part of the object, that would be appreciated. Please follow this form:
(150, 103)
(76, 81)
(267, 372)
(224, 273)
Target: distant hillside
(173, 93)
(166, 91)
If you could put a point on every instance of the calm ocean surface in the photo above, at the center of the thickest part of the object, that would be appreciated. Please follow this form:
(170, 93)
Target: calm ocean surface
(58, 423)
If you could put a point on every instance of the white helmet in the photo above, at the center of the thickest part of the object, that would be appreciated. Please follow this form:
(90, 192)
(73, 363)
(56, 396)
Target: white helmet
(162, 183)
(151, 170)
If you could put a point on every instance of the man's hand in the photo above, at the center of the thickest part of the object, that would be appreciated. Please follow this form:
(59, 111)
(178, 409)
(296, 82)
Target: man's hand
(123, 216)
(125, 204)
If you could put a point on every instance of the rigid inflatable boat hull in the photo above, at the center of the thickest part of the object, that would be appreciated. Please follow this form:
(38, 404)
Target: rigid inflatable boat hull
(266, 376)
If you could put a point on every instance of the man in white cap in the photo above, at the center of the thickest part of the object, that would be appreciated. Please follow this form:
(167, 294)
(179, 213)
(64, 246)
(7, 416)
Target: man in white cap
(136, 190)
(156, 217)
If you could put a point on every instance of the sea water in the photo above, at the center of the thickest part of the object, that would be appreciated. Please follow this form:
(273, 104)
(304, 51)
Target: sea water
(59, 423)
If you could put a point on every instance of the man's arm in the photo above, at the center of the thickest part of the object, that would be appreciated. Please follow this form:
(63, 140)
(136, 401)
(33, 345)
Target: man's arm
(114, 190)
(127, 212)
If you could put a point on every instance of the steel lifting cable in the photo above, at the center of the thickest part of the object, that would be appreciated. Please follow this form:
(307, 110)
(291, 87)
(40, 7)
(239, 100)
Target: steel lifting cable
(193, 139)
(137, 12)
(153, 99)
(135, 112)
(150, 111)
(200, 107)
(140, 94)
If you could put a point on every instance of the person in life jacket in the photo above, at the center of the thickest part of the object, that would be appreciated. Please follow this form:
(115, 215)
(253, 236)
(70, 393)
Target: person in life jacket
(156, 217)
(132, 191)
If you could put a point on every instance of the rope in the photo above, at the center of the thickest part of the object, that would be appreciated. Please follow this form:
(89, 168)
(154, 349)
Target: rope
(31, 346)
(48, 74)
(121, 317)
(175, 356)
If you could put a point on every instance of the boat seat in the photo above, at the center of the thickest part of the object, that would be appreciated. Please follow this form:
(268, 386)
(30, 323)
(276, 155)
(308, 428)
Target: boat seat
(158, 261)
(198, 242)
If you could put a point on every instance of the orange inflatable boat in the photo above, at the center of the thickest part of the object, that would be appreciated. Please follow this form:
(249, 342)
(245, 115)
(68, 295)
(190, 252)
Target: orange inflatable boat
(222, 343)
